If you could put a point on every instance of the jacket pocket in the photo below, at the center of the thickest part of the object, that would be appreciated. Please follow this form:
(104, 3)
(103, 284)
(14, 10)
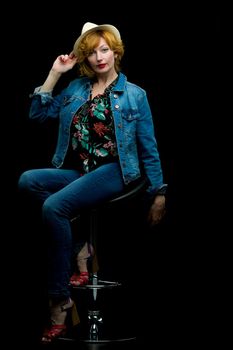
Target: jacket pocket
(129, 122)
(129, 116)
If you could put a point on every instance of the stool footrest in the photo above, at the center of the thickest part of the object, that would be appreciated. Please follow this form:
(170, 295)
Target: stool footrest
(100, 285)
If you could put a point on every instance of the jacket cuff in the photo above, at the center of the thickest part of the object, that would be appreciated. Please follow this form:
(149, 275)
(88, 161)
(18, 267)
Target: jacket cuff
(45, 96)
(162, 190)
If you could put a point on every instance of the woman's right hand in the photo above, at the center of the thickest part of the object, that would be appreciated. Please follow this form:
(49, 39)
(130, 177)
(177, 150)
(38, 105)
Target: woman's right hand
(64, 63)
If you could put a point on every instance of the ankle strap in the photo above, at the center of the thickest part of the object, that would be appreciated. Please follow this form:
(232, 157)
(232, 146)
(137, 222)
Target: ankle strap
(67, 305)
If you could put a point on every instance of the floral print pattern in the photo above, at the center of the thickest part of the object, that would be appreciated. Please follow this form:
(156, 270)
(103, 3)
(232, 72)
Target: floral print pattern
(92, 133)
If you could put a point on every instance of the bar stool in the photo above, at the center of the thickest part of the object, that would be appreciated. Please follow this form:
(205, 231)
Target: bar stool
(97, 286)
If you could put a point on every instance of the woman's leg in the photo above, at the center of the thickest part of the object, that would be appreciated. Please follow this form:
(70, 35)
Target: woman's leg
(38, 184)
(60, 207)
(63, 195)
(35, 186)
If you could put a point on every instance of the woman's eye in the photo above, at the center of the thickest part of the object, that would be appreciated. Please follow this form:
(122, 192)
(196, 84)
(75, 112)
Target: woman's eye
(105, 49)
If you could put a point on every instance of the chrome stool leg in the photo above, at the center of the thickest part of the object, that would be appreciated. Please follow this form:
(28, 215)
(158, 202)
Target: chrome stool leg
(97, 287)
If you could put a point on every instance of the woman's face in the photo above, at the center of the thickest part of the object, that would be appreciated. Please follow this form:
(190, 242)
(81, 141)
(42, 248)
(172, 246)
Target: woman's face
(102, 58)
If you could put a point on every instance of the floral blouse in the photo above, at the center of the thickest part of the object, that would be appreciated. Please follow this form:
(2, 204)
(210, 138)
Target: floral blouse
(92, 134)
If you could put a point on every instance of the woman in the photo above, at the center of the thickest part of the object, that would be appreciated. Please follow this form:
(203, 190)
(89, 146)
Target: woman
(105, 142)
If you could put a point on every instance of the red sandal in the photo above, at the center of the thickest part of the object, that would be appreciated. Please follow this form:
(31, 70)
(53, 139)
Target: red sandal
(54, 332)
(60, 315)
(79, 279)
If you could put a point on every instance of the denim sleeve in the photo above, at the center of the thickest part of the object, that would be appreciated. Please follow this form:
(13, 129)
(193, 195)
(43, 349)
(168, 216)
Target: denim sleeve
(148, 148)
(45, 96)
(44, 106)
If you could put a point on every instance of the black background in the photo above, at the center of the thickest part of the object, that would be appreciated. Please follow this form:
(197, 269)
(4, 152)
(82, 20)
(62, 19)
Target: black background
(170, 51)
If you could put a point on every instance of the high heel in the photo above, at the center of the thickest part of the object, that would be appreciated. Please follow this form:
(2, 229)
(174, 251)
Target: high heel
(86, 260)
(60, 319)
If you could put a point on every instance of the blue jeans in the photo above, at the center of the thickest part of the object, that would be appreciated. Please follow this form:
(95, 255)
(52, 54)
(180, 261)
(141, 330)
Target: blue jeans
(62, 194)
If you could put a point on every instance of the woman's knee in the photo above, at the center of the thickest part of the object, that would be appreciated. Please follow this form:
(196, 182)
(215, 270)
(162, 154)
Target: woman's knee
(50, 209)
(53, 209)
(25, 181)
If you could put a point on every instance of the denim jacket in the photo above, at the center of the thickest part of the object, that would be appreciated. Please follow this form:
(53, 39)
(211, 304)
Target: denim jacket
(136, 143)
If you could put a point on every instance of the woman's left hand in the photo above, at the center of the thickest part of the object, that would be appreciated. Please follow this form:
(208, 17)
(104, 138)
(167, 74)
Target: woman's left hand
(157, 210)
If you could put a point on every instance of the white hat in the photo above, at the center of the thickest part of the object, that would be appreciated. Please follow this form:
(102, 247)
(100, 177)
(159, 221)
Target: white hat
(92, 27)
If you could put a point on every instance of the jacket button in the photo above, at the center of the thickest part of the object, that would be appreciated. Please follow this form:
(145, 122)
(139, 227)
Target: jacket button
(117, 106)
(115, 95)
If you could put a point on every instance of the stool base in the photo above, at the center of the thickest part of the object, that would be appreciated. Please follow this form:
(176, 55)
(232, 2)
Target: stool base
(114, 343)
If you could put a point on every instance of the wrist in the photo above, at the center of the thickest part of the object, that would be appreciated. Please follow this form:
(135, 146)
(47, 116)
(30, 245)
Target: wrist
(54, 74)
(159, 198)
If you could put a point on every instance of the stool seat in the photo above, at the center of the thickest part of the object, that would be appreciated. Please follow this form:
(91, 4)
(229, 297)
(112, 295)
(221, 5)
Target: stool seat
(134, 190)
